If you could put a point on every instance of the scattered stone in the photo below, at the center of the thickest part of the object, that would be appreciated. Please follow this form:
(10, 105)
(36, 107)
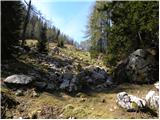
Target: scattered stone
(19, 48)
(152, 99)
(55, 50)
(81, 95)
(19, 93)
(82, 99)
(25, 116)
(71, 117)
(18, 79)
(130, 102)
(111, 110)
(34, 94)
(156, 85)
(22, 107)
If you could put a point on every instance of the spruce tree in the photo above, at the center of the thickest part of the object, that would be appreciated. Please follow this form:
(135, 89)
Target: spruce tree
(11, 19)
(42, 42)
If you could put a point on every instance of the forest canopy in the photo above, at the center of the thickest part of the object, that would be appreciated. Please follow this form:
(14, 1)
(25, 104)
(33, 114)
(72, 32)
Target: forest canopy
(117, 28)
(22, 21)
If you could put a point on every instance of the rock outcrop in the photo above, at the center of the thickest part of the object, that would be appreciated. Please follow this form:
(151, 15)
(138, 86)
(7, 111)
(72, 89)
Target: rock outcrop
(89, 77)
(139, 67)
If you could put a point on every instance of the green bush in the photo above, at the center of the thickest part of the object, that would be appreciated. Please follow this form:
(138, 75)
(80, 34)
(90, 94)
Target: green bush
(60, 43)
(110, 59)
(93, 52)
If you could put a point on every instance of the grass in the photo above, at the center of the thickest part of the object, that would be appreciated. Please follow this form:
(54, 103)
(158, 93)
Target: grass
(31, 42)
(90, 104)
(93, 106)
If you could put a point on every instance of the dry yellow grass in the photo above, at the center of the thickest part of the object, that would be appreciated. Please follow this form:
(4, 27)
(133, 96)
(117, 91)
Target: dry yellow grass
(87, 105)
(91, 105)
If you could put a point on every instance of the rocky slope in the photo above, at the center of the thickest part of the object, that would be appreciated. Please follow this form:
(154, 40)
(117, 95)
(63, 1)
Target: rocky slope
(66, 83)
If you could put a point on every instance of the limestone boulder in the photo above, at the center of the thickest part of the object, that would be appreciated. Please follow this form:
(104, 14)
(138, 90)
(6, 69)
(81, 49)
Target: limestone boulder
(18, 79)
(130, 102)
(140, 67)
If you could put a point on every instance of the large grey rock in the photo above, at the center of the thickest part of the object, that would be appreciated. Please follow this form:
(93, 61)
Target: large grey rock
(19, 79)
(70, 85)
(97, 76)
(68, 75)
(108, 83)
(50, 87)
(74, 85)
(93, 75)
(139, 67)
(40, 85)
(130, 102)
(152, 99)
(64, 84)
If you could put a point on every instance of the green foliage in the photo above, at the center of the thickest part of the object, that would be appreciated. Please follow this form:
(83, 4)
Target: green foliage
(110, 59)
(98, 26)
(52, 33)
(11, 18)
(134, 25)
(60, 43)
(42, 43)
(134, 105)
(93, 52)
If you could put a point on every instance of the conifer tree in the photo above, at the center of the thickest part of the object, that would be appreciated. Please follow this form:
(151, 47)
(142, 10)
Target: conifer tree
(42, 42)
(11, 19)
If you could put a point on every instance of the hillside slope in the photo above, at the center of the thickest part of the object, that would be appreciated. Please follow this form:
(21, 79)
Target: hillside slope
(55, 103)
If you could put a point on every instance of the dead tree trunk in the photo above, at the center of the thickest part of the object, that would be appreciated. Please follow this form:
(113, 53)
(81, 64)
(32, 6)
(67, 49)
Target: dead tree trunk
(25, 23)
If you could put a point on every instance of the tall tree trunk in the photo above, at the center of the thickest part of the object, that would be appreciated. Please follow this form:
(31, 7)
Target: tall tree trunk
(25, 23)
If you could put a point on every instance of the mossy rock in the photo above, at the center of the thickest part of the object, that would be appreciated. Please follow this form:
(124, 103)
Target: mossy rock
(134, 105)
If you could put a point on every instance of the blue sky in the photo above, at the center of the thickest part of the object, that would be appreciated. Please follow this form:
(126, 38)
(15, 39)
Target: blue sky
(70, 16)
